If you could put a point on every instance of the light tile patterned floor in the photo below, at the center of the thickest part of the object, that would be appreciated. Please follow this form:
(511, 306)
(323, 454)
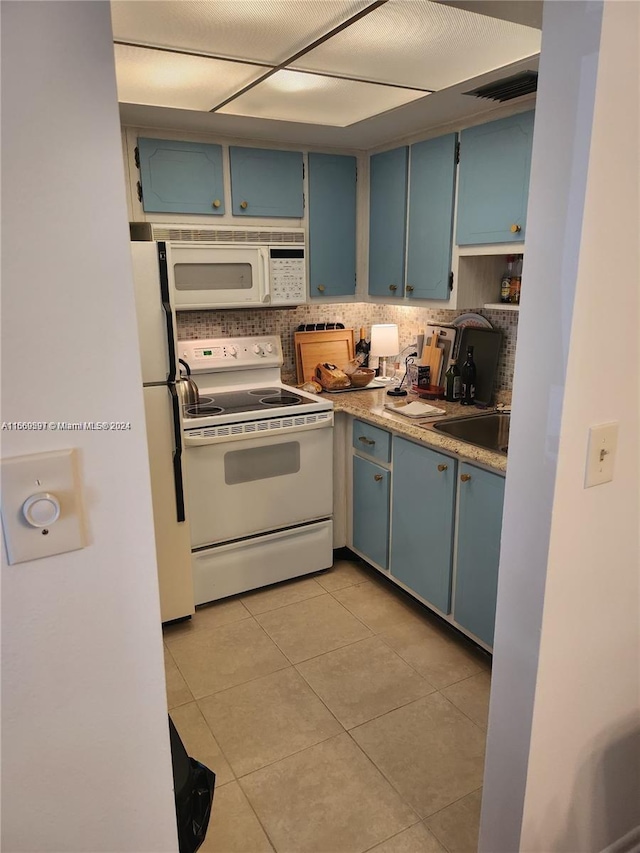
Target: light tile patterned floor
(339, 717)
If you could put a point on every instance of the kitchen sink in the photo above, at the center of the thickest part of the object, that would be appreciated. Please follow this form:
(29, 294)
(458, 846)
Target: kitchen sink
(490, 430)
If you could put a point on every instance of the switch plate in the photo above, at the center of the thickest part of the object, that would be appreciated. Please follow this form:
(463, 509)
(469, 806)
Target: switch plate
(601, 454)
(56, 473)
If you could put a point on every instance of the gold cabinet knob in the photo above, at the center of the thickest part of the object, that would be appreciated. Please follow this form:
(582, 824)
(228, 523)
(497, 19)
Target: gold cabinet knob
(409, 289)
(377, 477)
(516, 229)
(465, 477)
(321, 288)
(216, 203)
(393, 287)
(442, 467)
(365, 440)
(244, 205)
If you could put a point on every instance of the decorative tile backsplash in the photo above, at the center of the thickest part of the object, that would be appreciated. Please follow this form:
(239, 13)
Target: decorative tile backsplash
(284, 322)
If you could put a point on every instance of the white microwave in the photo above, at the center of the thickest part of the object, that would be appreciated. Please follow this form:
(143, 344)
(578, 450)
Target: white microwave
(231, 276)
(231, 267)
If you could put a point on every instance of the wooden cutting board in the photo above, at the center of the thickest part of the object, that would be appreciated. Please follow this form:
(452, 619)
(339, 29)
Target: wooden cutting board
(335, 346)
(432, 355)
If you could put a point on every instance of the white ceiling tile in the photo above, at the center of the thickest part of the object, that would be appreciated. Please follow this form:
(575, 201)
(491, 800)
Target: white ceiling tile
(266, 31)
(315, 99)
(423, 44)
(164, 79)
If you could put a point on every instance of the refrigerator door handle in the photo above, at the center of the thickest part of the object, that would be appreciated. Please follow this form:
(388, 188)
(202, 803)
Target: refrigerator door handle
(168, 311)
(177, 454)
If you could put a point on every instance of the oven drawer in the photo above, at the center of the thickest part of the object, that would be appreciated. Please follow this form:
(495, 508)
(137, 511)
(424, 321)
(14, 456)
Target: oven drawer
(240, 566)
(372, 441)
(242, 488)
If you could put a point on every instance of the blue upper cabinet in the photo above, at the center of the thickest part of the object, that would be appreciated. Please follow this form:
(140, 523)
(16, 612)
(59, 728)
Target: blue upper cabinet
(422, 521)
(480, 500)
(495, 164)
(181, 177)
(431, 199)
(332, 225)
(388, 213)
(265, 182)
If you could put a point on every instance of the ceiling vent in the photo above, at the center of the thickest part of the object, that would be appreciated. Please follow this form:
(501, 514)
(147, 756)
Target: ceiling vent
(508, 88)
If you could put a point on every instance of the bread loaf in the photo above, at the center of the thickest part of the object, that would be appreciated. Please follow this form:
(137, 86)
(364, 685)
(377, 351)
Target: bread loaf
(331, 377)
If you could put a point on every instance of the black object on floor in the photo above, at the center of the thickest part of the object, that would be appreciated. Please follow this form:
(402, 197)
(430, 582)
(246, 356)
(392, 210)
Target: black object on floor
(193, 785)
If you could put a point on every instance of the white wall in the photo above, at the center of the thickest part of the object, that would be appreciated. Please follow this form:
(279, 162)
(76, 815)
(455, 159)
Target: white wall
(85, 751)
(563, 762)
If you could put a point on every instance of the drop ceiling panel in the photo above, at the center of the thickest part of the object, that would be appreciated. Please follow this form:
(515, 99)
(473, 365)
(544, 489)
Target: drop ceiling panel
(315, 99)
(422, 44)
(267, 31)
(164, 79)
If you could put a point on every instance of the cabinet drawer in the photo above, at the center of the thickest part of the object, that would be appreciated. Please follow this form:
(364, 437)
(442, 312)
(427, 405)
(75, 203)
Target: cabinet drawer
(372, 441)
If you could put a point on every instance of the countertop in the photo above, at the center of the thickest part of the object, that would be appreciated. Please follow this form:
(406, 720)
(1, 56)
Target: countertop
(369, 406)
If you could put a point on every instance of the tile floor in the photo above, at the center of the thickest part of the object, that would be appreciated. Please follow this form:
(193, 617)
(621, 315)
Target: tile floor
(338, 716)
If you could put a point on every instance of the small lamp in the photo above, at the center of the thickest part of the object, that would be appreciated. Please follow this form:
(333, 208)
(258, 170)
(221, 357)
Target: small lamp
(384, 342)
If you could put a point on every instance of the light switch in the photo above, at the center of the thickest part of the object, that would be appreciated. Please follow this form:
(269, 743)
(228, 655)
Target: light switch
(601, 454)
(42, 512)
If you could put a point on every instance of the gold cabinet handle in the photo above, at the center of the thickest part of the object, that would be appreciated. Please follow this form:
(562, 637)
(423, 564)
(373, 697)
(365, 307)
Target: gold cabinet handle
(244, 205)
(465, 477)
(321, 288)
(442, 467)
(516, 229)
(377, 477)
(216, 203)
(366, 440)
(409, 289)
(393, 287)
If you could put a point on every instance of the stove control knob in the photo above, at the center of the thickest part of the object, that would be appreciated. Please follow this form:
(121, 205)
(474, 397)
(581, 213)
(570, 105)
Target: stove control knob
(269, 347)
(232, 351)
(258, 349)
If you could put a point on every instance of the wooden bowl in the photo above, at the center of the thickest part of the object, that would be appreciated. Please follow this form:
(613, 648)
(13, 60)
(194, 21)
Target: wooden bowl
(362, 377)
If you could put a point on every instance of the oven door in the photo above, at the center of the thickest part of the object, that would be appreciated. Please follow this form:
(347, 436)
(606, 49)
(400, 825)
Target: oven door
(244, 487)
(203, 277)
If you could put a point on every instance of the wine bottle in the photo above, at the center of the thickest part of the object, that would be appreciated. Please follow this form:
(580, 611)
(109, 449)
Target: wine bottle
(452, 383)
(468, 379)
(362, 349)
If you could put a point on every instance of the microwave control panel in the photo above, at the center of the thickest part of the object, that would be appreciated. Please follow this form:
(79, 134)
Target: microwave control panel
(287, 275)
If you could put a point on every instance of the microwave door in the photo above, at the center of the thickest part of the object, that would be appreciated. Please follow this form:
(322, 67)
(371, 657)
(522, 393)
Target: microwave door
(216, 277)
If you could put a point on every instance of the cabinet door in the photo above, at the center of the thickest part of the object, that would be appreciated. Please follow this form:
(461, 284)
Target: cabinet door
(388, 213)
(371, 510)
(480, 500)
(181, 177)
(332, 225)
(265, 182)
(422, 521)
(495, 163)
(431, 195)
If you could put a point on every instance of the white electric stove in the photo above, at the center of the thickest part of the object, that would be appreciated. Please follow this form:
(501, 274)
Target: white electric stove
(259, 477)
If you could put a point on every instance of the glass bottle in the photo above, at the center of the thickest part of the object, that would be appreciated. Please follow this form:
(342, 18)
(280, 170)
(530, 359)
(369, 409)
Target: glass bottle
(362, 349)
(514, 289)
(452, 383)
(468, 380)
(505, 282)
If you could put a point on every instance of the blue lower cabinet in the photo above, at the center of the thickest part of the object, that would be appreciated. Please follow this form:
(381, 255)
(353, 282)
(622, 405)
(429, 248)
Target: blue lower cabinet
(371, 487)
(422, 517)
(480, 503)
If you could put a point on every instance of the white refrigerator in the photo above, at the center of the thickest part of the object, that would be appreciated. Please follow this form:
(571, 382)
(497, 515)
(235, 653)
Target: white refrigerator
(157, 337)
